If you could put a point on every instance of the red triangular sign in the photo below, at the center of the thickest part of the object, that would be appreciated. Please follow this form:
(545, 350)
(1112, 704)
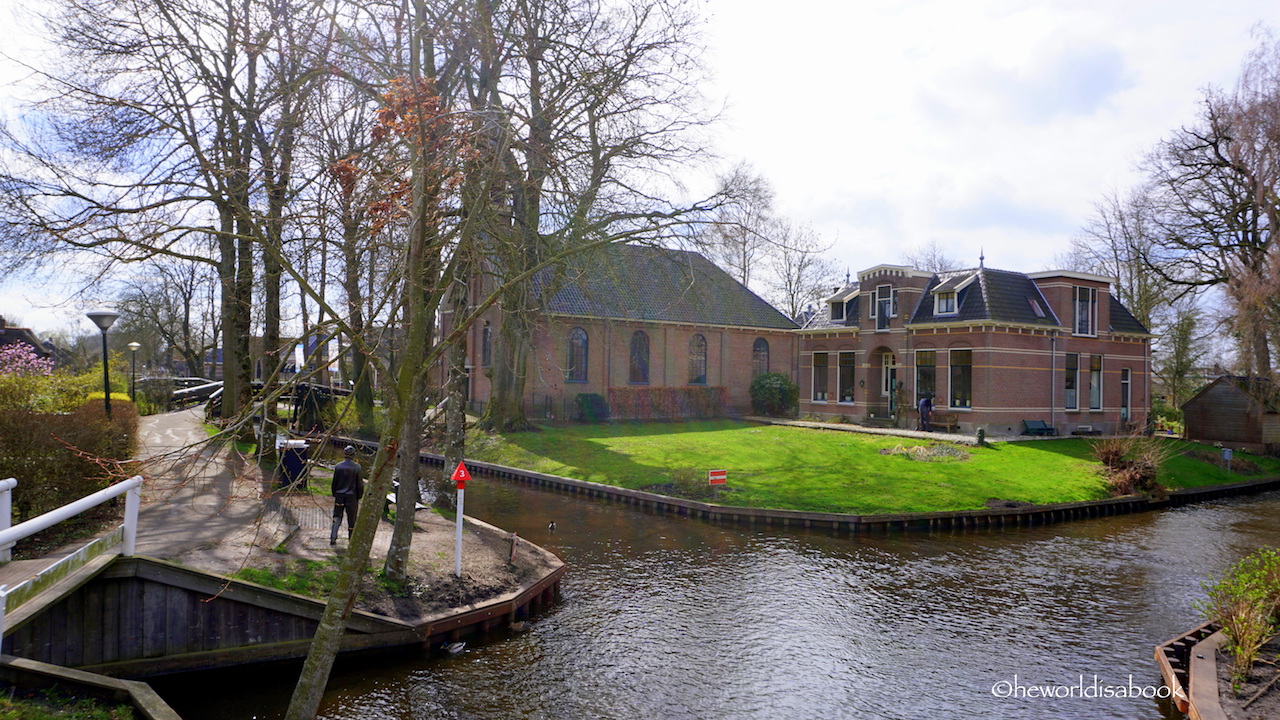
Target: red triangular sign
(460, 473)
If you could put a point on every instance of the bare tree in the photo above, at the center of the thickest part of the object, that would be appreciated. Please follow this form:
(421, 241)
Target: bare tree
(798, 272)
(931, 257)
(744, 229)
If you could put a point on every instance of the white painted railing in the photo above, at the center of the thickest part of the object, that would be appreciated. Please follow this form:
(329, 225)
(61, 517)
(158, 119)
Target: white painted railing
(126, 534)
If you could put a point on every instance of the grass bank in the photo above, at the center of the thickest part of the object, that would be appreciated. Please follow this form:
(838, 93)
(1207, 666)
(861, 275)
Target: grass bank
(829, 471)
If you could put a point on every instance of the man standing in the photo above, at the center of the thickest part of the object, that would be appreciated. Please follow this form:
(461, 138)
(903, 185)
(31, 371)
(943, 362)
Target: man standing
(925, 407)
(347, 490)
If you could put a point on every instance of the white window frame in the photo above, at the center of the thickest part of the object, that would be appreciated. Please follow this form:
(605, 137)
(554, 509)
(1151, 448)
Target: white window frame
(1102, 372)
(937, 303)
(1070, 402)
(1092, 294)
(813, 378)
(834, 305)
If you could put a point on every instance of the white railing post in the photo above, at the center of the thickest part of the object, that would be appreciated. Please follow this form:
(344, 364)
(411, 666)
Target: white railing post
(4, 600)
(6, 518)
(132, 500)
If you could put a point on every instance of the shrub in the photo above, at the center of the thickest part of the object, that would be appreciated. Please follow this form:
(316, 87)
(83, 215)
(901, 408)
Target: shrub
(591, 408)
(774, 394)
(61, 457)
(1245, 602)
(667, 403)
(1132, 463)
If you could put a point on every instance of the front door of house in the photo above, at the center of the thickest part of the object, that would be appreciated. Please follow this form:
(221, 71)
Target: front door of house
(889, 380)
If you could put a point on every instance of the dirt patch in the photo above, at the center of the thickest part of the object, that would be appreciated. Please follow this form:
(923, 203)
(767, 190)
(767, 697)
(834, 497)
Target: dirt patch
(1267, 668)
(998, 504)
(1241, 465)
(936, 452)
(487, 567)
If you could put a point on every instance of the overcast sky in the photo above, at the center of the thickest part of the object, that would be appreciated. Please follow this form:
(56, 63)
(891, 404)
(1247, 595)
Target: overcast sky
(983, 124)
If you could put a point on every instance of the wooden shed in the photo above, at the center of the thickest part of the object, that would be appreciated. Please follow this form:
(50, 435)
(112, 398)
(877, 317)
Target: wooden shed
(1239, 412)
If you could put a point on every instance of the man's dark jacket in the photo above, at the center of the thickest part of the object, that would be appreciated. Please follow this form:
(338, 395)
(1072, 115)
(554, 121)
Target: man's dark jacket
(346, 480)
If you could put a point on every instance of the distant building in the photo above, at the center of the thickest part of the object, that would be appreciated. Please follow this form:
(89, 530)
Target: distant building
(12, 335)
(993, 348)
(1239, 412)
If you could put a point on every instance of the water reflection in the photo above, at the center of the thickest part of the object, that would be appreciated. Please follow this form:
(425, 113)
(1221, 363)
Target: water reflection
(665, 617)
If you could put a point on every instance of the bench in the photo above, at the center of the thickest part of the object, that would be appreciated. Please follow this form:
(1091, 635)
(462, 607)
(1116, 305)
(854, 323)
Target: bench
(1038, 427)
(950, 421)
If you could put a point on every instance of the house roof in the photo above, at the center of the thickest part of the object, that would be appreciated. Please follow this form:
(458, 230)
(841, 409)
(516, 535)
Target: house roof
(821, 318)
(1261, 390)
(1123, 321)
(634, 282)
(987, 294)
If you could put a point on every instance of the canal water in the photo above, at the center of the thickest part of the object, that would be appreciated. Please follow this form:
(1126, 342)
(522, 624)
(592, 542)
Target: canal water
(666, 617)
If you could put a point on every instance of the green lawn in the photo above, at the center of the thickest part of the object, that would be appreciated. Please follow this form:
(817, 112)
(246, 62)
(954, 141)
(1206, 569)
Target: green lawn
(824, 471)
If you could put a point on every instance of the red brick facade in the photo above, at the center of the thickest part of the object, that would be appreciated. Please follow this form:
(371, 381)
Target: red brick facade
(1049, 346)
(673, 360)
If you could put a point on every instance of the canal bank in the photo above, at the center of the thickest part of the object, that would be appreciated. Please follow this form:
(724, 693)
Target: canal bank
(666, 618)
(1013, 515)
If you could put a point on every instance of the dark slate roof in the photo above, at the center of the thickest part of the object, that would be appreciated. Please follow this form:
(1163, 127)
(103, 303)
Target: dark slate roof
(1123, 321)
(633, 282)
(998, 295)
(821, 318)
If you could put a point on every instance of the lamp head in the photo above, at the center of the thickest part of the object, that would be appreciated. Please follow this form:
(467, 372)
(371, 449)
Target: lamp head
(134, 345)
(104, 319)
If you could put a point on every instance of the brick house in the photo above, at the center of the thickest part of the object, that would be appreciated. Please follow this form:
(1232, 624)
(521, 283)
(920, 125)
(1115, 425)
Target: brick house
(629, 318)
(992, 347)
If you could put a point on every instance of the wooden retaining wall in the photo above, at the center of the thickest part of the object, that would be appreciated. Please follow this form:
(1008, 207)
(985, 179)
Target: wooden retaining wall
(992, 518)
(139, 617)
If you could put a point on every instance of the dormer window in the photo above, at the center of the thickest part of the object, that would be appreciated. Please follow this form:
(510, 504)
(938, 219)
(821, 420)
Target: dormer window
(837, 310)
(944, 303)
(1085, 311)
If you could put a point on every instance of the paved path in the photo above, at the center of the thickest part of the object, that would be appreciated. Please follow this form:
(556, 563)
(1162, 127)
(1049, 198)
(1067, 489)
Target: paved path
(197, 494)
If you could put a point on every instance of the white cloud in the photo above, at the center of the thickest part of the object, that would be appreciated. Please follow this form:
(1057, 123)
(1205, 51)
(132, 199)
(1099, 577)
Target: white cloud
(984, 124)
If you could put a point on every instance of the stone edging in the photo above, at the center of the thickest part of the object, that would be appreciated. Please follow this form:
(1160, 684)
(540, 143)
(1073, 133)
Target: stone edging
(856, 524)
(24, 673)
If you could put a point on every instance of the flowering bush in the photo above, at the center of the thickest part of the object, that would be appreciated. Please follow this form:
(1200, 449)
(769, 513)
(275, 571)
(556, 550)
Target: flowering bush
(22, 360)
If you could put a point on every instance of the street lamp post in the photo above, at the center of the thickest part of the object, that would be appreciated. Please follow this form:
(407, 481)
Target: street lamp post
(133, 375)
(104, 319)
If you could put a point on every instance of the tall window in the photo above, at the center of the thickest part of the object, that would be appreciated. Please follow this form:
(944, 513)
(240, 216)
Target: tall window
(885, 306)
(1095, 382)
(961, 378)
(639, 357)
(926, 374)
(760, 357)
(1086, 311)
(486, 345)
(697, 360)
(1125, 393)
(576, 368)
(820, 377)
(845, 379)
(1072, 375)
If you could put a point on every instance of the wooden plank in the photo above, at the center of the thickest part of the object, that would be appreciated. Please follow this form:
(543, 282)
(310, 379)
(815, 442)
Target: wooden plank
(154, 619)
(1204, 703)
(73, 637)
(110, 621)
(55, 622)
(53, 594)
(130, 640)
(175, 635)
(91, 628)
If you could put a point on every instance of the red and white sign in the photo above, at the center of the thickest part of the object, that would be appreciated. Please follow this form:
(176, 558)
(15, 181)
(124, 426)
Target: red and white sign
(460, 476)
(717, 477)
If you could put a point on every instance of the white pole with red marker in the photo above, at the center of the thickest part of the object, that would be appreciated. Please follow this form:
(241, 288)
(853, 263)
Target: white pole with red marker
(460, 476)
